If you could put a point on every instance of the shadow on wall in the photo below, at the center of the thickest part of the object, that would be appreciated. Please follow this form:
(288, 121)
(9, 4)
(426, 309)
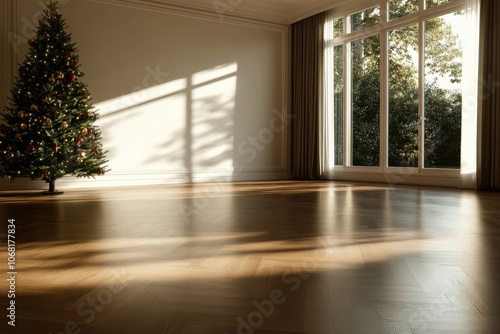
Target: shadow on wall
(179, 125)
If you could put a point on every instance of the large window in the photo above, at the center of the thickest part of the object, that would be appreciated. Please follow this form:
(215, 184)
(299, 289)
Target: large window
(398, 94)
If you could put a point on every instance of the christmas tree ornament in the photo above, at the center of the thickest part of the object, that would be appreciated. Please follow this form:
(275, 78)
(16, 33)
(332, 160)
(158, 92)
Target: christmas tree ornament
(36, 143)
(30, 148)
(47, 123)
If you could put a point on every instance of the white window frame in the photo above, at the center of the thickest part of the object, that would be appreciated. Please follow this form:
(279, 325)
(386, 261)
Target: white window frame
(384, 173)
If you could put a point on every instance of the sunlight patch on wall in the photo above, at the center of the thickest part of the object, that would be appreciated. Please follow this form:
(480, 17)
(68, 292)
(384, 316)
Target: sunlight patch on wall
(213, 107)
(142, 129)
(179, 126)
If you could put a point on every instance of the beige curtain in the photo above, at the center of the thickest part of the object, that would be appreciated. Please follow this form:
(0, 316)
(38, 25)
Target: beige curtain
(470, 101)
(489, 95)
(307, 85)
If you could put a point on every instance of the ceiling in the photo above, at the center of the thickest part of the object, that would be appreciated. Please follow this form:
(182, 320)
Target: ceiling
(275, 11)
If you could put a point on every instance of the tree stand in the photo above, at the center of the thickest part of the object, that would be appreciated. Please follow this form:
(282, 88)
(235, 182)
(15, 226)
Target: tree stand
(52, 189)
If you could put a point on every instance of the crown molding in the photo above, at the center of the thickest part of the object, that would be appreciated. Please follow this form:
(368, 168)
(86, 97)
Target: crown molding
(305, 9)
(270, 12)
(198, 12)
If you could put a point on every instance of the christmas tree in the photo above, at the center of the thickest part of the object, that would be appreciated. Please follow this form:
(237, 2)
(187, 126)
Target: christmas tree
(48, 130)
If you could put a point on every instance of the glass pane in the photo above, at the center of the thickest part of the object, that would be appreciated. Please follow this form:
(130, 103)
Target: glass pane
(365, 18)
(338, 27)
(443, 93)
(403, 97)
(338, 79)
(366, 101)
(433, 3)
(400, 8)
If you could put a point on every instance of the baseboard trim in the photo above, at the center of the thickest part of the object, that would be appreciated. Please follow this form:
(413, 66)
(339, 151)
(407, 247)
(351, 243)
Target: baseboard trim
(402, 178)
(118, 180)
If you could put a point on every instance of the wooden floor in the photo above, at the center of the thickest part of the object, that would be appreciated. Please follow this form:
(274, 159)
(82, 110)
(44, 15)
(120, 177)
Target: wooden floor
(262, 258)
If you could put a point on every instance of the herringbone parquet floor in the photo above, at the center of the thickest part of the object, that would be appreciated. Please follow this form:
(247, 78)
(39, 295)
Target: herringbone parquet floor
(262, 258)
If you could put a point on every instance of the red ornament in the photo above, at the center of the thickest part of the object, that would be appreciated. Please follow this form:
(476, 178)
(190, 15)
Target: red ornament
(78, 141)
(30, 148)
(72, 77)
(100, 171)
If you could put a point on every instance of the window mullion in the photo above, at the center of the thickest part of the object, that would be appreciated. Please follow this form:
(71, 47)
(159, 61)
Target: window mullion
(421, 92)
(347, 99)
(384, 88)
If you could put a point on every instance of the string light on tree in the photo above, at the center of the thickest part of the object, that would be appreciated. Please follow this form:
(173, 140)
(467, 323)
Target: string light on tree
(48, 130)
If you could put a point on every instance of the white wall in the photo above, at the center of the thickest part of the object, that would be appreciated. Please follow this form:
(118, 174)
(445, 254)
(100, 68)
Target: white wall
(181, 98)
(7, 53)
(5, 50)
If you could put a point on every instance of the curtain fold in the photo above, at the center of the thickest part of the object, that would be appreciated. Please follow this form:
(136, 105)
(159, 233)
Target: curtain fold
(488, 172)
(307, 86)
(470, 79)
(326, 118)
